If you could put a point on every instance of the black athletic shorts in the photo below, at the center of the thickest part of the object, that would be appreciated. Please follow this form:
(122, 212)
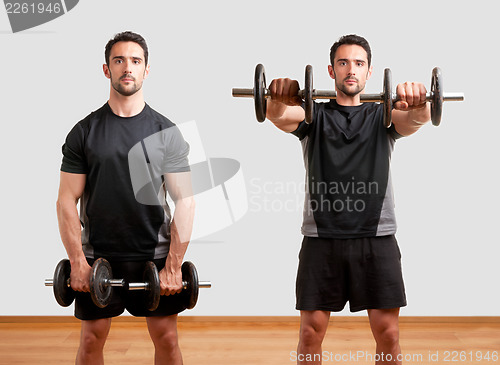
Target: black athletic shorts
(131, 300)
(364, 271)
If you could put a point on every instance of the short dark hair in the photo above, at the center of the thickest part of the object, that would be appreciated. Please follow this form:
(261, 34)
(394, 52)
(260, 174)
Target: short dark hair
(126, 37)
(351, 39)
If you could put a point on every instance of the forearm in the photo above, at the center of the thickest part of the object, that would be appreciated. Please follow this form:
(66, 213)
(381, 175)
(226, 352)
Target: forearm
(180, 233)
(284, 117)
(412, 120)
(420, 116)
(70, 230)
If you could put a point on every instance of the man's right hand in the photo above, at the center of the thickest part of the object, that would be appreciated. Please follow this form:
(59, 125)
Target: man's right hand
(285, 91)
(80, 275)
(284, 108)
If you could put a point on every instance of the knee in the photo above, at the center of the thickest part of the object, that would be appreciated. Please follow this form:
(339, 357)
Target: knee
(311, 336)
(92, 341)
(93, 336)
(388, 336)
(167, 340)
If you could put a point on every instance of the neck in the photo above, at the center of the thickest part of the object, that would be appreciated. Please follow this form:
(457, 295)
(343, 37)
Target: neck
(126, 106)
(347, 100)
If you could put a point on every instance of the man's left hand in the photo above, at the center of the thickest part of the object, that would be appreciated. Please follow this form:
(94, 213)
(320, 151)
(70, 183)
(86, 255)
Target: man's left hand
(410, 95)
(170, 282)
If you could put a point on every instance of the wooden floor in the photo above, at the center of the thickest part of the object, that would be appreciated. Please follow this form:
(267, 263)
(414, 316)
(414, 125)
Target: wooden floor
(254, 340)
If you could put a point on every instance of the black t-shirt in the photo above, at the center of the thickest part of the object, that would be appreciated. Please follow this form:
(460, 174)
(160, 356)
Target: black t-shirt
(347, 151)
(123, 209)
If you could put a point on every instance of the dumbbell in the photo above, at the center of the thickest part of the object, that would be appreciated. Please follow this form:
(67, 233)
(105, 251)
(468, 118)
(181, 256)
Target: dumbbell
(151, 284)
(260, 93)
(101, 284)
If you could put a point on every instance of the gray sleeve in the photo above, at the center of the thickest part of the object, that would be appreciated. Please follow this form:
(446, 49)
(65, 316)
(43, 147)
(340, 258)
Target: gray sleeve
(176, 151)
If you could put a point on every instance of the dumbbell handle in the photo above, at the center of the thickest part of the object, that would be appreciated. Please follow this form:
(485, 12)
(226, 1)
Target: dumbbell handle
(329, 94)
(145, 286)
(112, 282)
(373, 98)
(133, 286)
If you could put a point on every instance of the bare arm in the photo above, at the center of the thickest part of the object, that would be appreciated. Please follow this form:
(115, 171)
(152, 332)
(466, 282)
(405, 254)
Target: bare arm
(283, 109)
(180, 190)
(70, 190)
(411, 112)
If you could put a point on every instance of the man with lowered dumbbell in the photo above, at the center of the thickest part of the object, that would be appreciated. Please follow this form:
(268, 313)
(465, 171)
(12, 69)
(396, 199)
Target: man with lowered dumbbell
(349, 251)
(119, 162)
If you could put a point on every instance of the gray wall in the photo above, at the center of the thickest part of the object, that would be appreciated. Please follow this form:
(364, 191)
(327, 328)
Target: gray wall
(446, 178)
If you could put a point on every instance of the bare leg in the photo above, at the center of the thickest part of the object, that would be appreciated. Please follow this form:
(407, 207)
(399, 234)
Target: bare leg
(385, 328)
(163, 332)
(92, 339)
(313, 326)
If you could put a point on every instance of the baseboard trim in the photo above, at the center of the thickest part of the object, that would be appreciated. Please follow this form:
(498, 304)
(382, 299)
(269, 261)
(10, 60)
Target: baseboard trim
(256, 319)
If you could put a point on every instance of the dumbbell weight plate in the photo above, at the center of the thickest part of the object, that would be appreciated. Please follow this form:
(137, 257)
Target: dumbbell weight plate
(100, 289)
(437, 96)
(259, 93)
(190, 276)
(152, 278)
(63, 293)
(308, 91)
(387, 97)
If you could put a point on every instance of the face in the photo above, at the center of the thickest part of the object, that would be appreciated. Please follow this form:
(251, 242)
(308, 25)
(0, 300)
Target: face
(127, 69)
(350, 69)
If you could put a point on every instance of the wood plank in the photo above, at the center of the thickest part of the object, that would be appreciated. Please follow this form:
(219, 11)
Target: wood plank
(248, 340)
(256, 319)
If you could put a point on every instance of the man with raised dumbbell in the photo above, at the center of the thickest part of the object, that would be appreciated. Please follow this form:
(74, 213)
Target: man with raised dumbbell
(120, 162)
(349, 251)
